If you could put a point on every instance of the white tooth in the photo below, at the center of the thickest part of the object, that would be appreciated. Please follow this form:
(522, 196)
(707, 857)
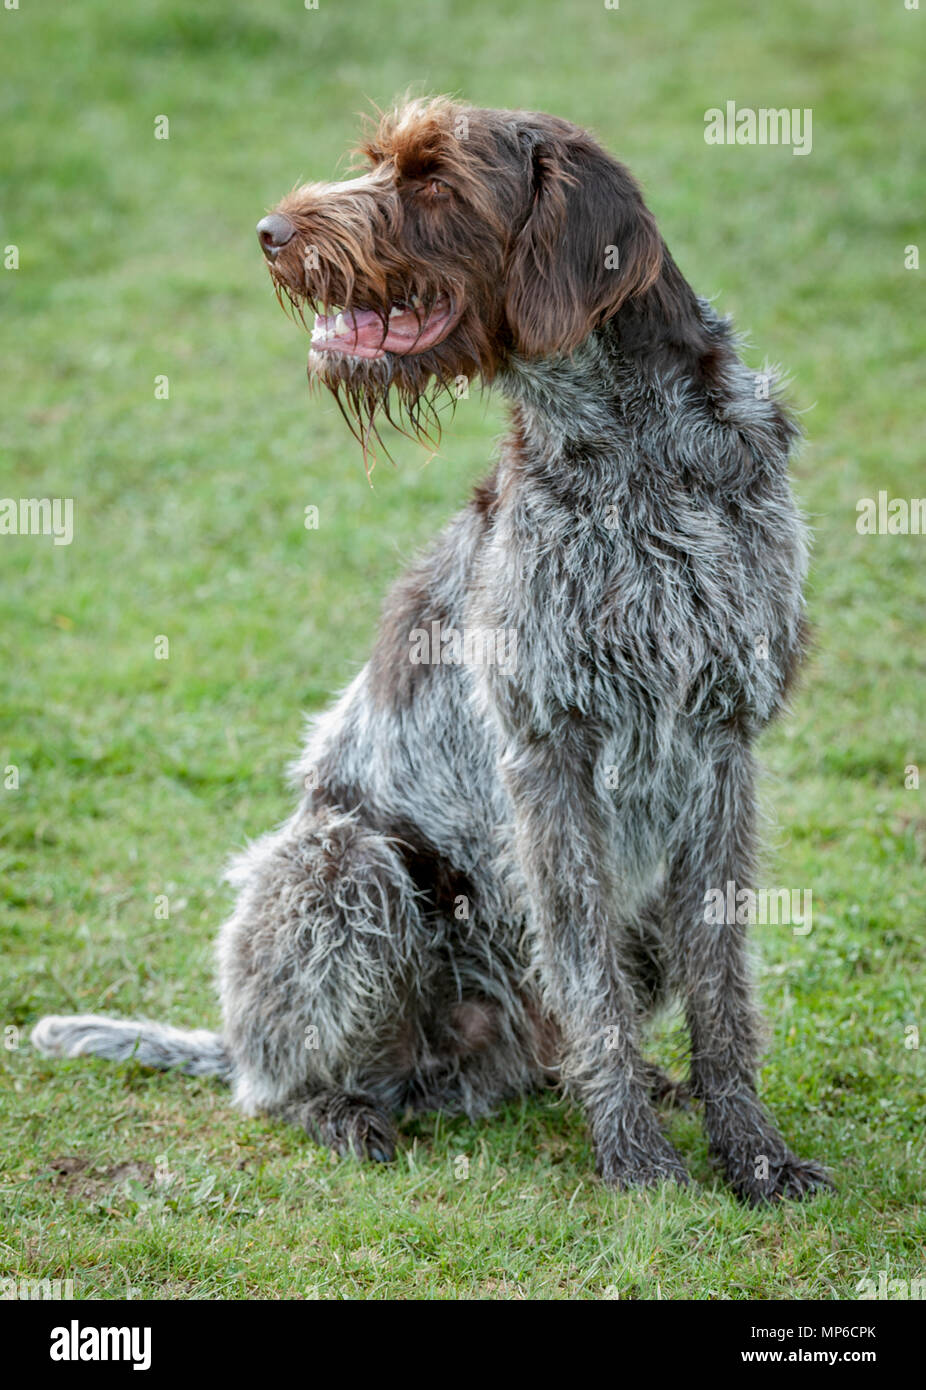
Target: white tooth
(339, 325)
(395, 312)
(416, 301)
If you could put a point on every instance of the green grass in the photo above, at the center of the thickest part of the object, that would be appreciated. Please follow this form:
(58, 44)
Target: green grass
(137, 777)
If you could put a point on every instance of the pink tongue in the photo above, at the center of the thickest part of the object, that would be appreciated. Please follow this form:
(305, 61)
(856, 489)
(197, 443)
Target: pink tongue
(362, 328)
(363, 334)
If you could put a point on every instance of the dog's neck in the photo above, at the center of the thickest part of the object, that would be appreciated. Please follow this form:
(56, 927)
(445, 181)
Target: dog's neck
(640, 394)
(666, 338)
(600, 410)
(559, 399)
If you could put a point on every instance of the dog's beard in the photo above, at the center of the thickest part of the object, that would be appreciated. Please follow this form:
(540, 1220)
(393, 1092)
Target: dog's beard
(410, 389)
(408, 392)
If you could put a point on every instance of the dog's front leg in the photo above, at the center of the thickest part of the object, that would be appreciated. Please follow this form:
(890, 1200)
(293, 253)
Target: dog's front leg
(559, 843)
(711, 860)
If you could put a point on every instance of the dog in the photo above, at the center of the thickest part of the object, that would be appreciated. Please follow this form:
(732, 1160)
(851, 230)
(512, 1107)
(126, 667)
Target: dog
(499, 861)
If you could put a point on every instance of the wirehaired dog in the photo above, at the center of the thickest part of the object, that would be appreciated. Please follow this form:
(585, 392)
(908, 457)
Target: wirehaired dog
(498, 866)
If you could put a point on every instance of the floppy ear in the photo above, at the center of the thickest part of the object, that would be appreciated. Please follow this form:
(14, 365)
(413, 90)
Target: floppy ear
(589, 243)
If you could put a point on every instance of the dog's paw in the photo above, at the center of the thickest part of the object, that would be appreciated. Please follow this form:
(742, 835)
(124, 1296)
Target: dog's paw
(350, 1125)
(640, 1164)
(362, 1130)
(783, 1178)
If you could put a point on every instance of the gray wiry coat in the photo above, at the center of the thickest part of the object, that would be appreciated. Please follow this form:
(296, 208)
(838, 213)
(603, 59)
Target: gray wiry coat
(497, 870)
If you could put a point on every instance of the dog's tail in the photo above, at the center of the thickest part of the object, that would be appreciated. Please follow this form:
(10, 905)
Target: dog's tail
(191, 1050)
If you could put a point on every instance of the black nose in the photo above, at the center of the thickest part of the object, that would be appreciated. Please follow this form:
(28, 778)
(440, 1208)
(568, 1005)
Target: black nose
(273, 232)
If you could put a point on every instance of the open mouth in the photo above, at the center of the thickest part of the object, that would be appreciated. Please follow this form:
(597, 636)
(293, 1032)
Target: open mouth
(410, 328)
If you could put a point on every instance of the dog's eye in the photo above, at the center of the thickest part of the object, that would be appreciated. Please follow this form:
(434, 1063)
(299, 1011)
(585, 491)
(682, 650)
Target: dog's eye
(437, 188)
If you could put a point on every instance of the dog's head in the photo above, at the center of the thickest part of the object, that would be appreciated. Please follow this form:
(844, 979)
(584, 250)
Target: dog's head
(468, 236)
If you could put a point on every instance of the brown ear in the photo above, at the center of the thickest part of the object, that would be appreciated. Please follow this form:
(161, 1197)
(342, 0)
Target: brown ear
(588, 244)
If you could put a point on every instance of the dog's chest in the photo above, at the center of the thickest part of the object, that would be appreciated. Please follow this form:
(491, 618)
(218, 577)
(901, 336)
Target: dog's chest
(621, 599)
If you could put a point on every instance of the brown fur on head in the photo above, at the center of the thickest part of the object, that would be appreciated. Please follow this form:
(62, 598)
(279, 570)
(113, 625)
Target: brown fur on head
(483, 233)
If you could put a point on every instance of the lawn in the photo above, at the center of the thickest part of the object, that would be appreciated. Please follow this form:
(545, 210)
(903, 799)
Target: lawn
(135, 777)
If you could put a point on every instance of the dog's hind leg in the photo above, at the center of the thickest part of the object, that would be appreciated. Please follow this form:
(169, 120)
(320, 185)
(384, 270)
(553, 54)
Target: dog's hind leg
(315, 966)
(348, 1124)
